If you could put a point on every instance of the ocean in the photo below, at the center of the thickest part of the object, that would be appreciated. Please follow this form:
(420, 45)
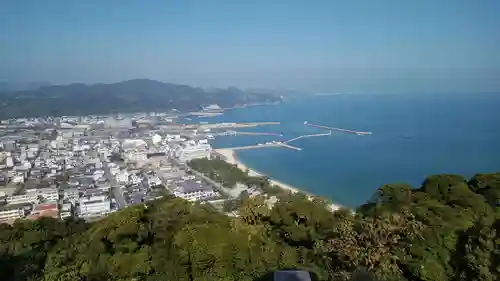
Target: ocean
(414, 135)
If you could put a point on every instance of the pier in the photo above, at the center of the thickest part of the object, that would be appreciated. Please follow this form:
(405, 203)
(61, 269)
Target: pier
(235, 125)
(264, 145)
(284, 144)
(257, 134)
(359, 133)
(234, 133)
(309, 136)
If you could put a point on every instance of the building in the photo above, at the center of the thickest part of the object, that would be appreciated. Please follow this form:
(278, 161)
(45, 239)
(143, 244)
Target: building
(194, 191)
(154, 181)
(117, 123)
(9, 162)
(11, 212)
(135, 156)
(156, 139)
(66, 211)
(122, 176)
(48, 194)
(23, 199)
(71, 194)
(92, 206)
(189, 152)
(212, 108)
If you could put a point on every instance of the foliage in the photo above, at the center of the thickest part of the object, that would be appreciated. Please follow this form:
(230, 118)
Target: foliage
(446, 229)
(219, 170)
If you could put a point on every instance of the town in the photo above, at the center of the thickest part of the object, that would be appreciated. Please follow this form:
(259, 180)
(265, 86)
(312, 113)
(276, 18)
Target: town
(91, 166)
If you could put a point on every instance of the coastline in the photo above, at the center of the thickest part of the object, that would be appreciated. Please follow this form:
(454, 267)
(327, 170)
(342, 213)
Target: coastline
(231, 157)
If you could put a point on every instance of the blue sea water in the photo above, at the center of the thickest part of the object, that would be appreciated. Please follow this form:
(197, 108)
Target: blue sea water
(414, 135)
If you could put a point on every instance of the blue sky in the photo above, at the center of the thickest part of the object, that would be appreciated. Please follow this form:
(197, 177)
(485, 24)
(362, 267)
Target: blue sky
(309, 45)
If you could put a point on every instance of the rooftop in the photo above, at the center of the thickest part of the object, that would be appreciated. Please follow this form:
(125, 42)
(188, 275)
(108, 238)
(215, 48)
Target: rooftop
(45, 207)
(192, 186)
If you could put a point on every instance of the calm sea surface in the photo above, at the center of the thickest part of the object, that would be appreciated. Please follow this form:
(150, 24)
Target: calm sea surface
(413, 136)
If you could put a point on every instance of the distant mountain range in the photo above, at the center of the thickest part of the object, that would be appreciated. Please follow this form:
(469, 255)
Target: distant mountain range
(10, 87)
(127, 96)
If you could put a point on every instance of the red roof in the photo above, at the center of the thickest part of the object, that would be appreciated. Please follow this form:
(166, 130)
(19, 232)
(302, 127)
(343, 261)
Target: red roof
(51, 214)
(45, 207)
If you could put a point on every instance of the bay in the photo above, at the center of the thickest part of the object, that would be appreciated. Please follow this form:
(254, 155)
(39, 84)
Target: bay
(414, 135)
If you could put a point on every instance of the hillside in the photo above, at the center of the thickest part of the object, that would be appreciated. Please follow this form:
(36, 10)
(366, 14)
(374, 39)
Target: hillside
(11, 87)
(126, 96)
(447, 229)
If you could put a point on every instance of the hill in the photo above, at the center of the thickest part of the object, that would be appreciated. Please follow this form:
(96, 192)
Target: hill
(11, 87)
(447, 229)
(127, 96)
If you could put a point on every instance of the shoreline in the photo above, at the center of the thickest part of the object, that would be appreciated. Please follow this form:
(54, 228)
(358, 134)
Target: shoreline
(231, 157)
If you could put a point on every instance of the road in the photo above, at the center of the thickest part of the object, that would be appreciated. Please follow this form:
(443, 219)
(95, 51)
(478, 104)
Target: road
(115, 189)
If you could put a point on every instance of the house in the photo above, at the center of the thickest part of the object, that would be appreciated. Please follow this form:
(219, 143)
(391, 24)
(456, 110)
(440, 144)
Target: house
(194, 191)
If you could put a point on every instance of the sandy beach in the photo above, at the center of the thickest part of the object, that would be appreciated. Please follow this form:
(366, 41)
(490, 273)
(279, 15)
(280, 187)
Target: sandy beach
(230, 157)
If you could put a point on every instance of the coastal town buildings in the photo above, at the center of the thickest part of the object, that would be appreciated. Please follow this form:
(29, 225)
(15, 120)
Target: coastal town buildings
(92, 166)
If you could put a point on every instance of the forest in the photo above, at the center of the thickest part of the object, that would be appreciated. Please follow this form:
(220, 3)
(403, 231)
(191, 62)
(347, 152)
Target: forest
(446, 229)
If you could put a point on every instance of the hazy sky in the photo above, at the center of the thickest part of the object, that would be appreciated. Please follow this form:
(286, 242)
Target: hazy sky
(322, 45)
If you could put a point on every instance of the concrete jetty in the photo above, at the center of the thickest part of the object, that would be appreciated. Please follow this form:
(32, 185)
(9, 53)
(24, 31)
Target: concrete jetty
(359, 133)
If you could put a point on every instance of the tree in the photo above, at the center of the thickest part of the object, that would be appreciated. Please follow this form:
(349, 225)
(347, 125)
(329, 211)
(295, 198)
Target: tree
(443, 231)
(254, 210)
(478, 253)
(378, 244)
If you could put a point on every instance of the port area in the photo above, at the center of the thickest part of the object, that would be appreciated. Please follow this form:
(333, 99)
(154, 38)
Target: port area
(264, 145)
(284, 144)
(234, 133)
(359, 133)
(236, 125)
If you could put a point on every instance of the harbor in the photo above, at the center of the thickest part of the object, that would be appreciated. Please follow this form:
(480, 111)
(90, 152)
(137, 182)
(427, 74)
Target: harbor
(286, 144)
(359, 133)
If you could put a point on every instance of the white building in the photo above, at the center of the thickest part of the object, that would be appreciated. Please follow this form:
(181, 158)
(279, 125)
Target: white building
(94, 206)
(134, 179)
(10, 213)
(156, 139)
(9, 162)
(47, 194)
(191, 151)
(122, 176)
(65, 211)
(71, 194)
(23, 199)
(98, 174)
(194, 191)
(135, 156)
(154, 181)
(18, 179)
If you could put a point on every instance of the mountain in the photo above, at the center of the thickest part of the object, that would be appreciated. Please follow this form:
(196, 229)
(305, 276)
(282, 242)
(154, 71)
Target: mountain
(9, 87)
(127, 96)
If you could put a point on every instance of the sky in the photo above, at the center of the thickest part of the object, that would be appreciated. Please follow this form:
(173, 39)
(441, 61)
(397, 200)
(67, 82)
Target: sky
(310, 45)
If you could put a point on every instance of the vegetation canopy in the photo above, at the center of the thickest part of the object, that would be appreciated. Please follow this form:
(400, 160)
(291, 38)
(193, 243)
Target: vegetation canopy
(447, 229)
